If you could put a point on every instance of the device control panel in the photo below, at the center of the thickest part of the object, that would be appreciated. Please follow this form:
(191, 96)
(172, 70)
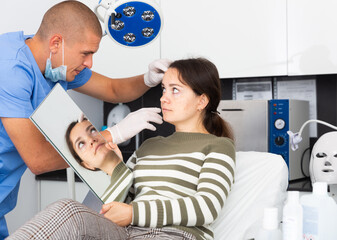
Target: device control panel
(278, 127)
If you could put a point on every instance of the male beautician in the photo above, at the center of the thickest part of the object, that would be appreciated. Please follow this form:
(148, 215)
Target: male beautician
(61, 51)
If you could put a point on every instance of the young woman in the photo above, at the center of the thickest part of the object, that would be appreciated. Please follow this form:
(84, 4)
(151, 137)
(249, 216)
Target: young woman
(181, 182)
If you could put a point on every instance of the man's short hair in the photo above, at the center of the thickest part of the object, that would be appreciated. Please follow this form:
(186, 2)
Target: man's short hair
(71, 19)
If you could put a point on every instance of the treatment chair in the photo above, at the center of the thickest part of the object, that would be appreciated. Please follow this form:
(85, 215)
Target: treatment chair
(261, 180)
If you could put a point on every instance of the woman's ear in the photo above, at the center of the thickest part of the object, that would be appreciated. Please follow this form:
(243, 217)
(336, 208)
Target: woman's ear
(87, 166)
(203, 101)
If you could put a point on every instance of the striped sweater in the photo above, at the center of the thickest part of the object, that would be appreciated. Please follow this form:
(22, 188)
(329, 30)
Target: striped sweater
(182, 181)
(121, 180)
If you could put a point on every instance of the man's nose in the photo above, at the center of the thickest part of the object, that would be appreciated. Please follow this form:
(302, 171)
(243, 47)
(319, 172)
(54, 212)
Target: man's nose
(88, 61)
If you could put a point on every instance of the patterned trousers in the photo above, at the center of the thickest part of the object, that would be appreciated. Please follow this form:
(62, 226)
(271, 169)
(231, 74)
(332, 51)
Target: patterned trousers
(68, 219)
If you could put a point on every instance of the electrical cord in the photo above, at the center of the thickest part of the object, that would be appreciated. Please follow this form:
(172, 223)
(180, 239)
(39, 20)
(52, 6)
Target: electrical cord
(302, 160)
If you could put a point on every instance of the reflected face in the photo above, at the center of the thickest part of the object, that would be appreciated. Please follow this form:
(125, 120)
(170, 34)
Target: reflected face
(89, 145)
(179, 103)
(80, 54)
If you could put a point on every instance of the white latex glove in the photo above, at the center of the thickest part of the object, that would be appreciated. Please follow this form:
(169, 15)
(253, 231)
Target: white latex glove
(135, 122)
(156, 72)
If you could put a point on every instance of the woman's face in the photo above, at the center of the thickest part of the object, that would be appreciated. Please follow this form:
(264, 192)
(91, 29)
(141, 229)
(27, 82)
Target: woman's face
(179, 103)
(89, 145)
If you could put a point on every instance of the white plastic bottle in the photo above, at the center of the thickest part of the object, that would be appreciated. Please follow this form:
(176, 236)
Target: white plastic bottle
(319, 214)
(292, 219)
(270, 226)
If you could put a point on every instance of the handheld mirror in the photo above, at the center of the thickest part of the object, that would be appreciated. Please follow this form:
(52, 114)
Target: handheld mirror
(82, 146)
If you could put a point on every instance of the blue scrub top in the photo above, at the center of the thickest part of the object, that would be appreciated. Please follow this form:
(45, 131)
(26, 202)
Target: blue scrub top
(22, 89)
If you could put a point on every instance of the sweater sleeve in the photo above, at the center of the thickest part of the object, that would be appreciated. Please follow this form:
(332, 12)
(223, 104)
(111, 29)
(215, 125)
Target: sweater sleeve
(121, 181)
(203, 207)
(131, 164)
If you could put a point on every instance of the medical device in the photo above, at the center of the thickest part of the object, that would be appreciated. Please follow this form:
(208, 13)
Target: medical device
(262, 125)
(116, 115)
(323, 161)
(130, 23)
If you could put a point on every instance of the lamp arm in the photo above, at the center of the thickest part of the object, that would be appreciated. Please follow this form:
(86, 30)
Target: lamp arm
(318, 121)
(296, 138)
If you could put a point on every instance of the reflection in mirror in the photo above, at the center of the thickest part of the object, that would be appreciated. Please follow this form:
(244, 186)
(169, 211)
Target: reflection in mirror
(89, 148)
(98, 163)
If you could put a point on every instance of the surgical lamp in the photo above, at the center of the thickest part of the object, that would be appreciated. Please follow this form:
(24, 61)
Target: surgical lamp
(130, 23)
(323, 160)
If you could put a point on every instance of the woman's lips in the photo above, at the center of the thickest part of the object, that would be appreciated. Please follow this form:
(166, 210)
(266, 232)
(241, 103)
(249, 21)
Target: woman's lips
(165, 110)
(98, 146)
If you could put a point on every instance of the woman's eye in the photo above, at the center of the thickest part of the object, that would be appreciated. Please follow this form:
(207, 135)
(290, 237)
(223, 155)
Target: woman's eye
(80, 145)
(163, 89)
(175, 90)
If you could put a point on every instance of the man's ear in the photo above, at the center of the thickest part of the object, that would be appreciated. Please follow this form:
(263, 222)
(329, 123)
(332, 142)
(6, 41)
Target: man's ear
(87, 166)
(55, 43)
(203, 101)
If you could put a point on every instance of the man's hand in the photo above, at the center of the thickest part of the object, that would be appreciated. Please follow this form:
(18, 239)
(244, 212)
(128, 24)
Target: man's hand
(135, 122)
(117, 212)
(156, 72)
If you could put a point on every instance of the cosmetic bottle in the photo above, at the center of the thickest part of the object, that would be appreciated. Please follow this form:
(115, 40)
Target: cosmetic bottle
(292, 217)
(270, 226)
(319, 214)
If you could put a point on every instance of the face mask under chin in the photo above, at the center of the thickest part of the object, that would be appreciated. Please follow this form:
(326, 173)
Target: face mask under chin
(56, 74)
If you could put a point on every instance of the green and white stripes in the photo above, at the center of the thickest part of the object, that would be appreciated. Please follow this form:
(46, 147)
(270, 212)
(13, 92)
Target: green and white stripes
(121, 181)
(182, 180)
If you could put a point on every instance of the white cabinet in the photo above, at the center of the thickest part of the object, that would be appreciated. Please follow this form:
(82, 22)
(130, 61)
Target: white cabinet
(243, 38)
(27, 204)
(312, 37)
(51, 191)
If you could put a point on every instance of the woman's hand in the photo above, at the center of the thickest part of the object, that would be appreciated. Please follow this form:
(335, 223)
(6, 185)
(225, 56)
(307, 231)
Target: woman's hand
(117, 212)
